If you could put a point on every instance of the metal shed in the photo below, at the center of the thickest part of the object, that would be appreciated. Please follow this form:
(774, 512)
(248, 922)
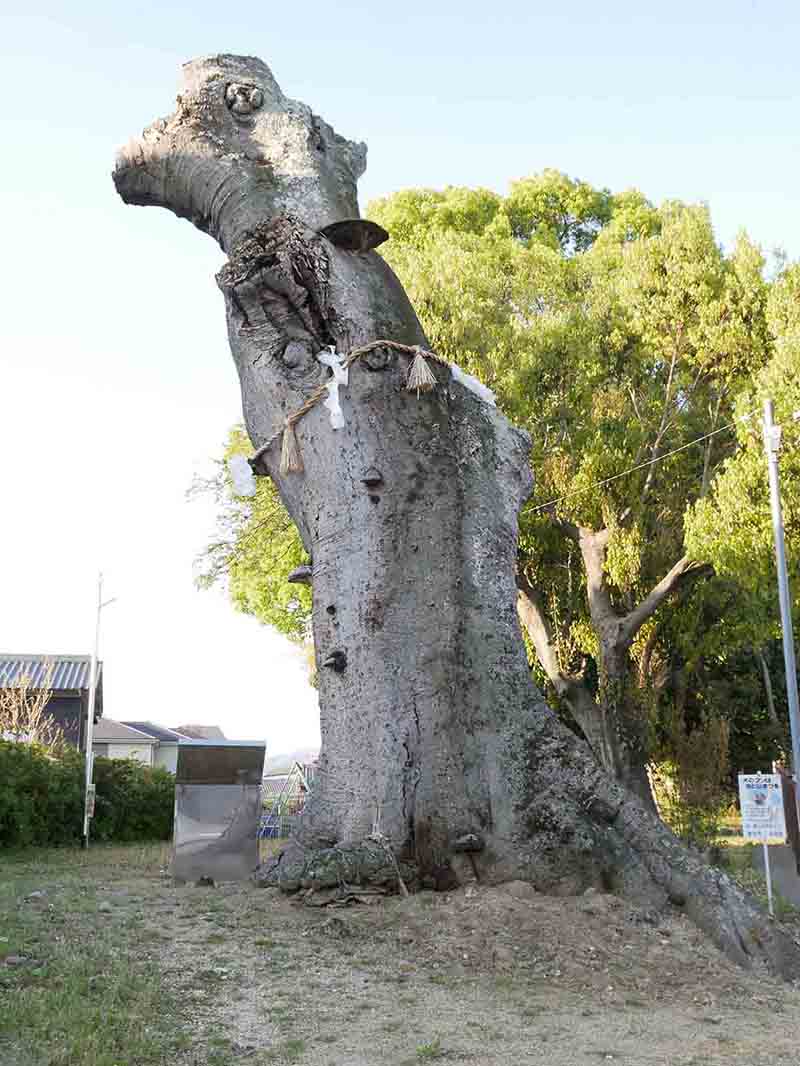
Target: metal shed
(217, 809)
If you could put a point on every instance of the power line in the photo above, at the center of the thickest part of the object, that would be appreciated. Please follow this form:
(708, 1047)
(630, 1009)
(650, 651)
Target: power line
(639, 466)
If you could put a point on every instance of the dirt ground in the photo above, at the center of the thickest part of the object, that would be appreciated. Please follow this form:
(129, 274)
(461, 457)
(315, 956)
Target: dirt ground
(487, 976)
(482, 975)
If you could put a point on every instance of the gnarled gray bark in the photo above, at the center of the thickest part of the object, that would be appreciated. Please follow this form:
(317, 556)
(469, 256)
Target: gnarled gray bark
(431, 730)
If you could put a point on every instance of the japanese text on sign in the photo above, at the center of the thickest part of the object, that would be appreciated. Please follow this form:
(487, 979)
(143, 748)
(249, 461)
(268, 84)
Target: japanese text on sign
(761, 800)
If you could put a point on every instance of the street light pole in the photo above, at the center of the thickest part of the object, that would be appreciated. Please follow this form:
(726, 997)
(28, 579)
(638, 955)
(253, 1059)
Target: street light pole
(87, 794)
(772, 441)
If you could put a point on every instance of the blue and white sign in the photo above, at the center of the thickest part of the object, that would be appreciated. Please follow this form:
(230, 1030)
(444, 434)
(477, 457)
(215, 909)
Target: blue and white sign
(761, 800)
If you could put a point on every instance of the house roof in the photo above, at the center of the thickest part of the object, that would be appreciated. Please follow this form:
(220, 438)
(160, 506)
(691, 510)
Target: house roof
(70, 673)
(274, 784)
(108, 730)
(290, 782)
(200, 732)
(158, 732)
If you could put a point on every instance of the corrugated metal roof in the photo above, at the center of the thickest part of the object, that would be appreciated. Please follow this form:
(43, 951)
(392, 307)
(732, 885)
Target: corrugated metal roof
(159, 732)
(70, 673)
(108, 730)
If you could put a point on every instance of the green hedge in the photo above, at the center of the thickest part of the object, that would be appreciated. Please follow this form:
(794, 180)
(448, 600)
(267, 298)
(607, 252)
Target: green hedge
(132, 802)
(41, 798)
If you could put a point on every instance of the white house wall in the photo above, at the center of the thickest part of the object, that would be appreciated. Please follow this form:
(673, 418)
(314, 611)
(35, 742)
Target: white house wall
(167, 756)
(143, 753)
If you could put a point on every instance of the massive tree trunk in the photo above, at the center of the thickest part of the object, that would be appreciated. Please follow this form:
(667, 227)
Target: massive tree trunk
(431, 730)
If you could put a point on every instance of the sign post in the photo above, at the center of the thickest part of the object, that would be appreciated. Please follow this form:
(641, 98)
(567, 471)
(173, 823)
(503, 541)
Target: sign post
(88, 791)
(761, 801)
(772, 443)
(768, 873)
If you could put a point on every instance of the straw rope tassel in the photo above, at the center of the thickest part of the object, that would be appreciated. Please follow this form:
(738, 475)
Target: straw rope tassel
(419, 379)
(291, 458)
(420, 376)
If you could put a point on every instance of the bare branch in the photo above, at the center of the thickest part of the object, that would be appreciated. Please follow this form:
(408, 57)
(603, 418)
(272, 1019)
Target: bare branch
(636, 410)
(593, 544)
(682, 571)
(532, 616)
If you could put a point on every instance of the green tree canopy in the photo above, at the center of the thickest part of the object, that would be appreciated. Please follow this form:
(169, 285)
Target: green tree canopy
(617, 333)
(732, 526)
(256, 547)
(626, 340)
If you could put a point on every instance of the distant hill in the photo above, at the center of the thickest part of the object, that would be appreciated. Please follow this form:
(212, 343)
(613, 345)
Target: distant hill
(274, 764)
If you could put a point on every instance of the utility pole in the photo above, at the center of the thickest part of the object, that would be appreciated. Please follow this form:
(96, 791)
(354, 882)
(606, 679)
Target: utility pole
(772, 442)
(88, 806)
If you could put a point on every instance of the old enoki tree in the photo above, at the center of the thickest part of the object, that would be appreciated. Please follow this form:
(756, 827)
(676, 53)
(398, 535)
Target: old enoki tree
(432, 733)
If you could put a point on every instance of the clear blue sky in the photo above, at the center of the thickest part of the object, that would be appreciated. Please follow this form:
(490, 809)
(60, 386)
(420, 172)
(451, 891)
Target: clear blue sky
(116, 381)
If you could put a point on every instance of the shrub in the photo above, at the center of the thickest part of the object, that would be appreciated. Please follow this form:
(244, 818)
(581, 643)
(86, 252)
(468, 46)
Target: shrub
(41, 795)
(41, 798)
(132, 802)
(691, 787)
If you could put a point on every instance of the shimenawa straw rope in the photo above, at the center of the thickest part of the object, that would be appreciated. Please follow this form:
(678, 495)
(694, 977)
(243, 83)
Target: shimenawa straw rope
(420, 378)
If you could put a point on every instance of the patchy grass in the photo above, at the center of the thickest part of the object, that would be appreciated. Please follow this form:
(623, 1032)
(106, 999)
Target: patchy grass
(430, 1051)
(738, 862)
(289, 1051)
(87, 994)
(268, 848)
(736, 855)
(128, 969)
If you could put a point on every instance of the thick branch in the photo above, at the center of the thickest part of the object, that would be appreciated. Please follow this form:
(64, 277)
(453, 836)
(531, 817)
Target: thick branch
(532, 616)
(685, 569)
(236, 151)
(571, 688)
(593, 544)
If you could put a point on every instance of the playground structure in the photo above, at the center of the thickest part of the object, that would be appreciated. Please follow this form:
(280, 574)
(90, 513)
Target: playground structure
(283, 797)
